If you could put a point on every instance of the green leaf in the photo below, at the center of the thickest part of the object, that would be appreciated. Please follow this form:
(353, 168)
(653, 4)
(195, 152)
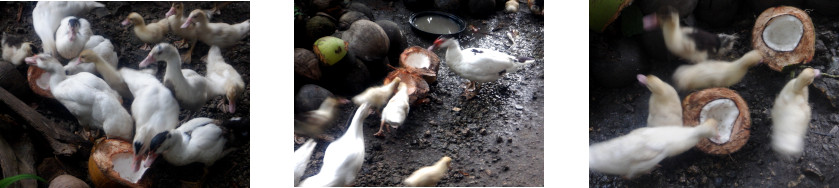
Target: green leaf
(5, 182)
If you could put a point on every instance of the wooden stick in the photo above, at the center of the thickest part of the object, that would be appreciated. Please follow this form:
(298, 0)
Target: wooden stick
(62, 141)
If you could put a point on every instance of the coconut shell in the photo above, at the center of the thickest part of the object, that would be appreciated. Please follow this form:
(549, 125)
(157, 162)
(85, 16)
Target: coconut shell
(348, 18)
(309, 98)
(67, 181)
(32, 76)
(777, 60)
(692, 106)
(426, 69)
(101, 168)
(306, 64)
(417, 87)
(320, 26)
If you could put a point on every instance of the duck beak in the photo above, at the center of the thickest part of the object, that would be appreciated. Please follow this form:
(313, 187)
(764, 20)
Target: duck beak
(186, 23)
(31, 60)
(818, 73)
(149, 59)
(77, 61)
(231, 107)
(150, 159)
(126, 22)
(171, 11)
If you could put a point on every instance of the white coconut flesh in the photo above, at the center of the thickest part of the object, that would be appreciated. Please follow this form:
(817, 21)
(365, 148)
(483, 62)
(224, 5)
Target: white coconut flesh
(782, 33)
(725, 111)
(418, 60)
(122, 165)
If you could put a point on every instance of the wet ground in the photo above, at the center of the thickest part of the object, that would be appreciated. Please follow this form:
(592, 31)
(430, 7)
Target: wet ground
(494, 139)
(617, 111)
(230, 171)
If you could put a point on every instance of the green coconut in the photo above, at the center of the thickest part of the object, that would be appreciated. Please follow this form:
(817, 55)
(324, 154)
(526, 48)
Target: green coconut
(330, 49)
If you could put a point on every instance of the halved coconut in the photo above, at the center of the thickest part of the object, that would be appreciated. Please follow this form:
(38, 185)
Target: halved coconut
(417, 87)
(39, 81)
(421, 61)
(729, 109)
(110, 165)
(785, 36)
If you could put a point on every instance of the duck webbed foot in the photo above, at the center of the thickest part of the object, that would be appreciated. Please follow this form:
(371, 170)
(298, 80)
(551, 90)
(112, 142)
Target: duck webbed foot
(145, 47)
(472, 88)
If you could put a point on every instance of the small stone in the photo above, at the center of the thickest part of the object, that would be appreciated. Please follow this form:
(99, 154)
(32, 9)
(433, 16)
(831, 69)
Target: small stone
(427, 133)
(509, 140)
(833, 130)
(505, 168)
(518, 107)
(499, 139)
(456, 109)
(483, 132)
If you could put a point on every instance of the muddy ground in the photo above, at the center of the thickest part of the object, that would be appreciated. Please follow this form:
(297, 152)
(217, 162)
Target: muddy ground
(230, 171)
(494, 139)
(617, 111)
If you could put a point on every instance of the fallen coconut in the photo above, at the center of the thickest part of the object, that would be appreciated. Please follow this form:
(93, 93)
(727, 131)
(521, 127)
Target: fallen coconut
(330, 49)
(420, 61)
(67, 181)
(397, 38)
(39, 81)
(309, 98)
(729, 109)
(110, 165)
(348, 18)
(417, 87)
(603, 13)
(306, 64)
(321, 25)
(785, 36)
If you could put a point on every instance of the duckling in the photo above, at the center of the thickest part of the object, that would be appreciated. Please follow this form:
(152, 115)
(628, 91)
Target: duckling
(429, 176)
(154, 109)
(639, 151)
(71, 36)
(714, 73)
(301, 159)
(101, 47)
(688, 43)
(396, 110)
(665, 106)
(148, 33)
(344, 157)
(791, 115)
(15, 50)
(47, 16)
(313, 122)
(216, 34)
(377, 96)
(511, 6)
(176, 19)
(87, 97)
(223, 79)
(108, 72)
(189, 87)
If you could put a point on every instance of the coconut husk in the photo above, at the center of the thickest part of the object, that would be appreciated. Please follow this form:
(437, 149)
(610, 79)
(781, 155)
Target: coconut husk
(777, 60)
(32, 76)
(101, 167)
(426, 67)
(417, 87)
(692, 106)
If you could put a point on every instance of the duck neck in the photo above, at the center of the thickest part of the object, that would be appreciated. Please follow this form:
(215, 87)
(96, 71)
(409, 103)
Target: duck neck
(173, 72)
(453, 55)
(105, 69)
(57, 76)
(178, 149)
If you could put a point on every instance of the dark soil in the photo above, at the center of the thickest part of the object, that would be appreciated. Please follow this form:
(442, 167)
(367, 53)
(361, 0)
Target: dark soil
(494, 139)
(615, 112)
(230, 171)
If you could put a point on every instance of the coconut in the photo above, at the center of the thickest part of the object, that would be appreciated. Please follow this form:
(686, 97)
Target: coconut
(347, 77)
(729, 109)
(447, 5)
(368, 44)
(348, 18)
(306, 64)
(309, 98)
(785, 36)
(110, 165)
(320, 26)
(603, 13)
(397, 38)
(417, 87)
(330, 49)
(39, 81)
(68, 181)
(420, 61)
(359, 7)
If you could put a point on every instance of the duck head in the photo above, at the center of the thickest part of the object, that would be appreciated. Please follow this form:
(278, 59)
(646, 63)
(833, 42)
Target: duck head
(86, 56)
(177, 8)
(440, 42)
(132, 18)
(162, 51)
(196, 15)
(159, 144)
(44, 61)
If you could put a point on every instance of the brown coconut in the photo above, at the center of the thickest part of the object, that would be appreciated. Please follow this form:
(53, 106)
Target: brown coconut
(692, 106)
(107, 158)
(785, 51)
(306, 63)
(417, 87)
(420, 61)
(39, 81)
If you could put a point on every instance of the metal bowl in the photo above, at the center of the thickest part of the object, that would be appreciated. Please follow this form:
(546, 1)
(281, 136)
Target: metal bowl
(457, 20)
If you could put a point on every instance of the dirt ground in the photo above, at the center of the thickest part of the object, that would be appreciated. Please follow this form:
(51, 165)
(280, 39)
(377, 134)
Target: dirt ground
(617, 111)
(494, 139)
(230, 171)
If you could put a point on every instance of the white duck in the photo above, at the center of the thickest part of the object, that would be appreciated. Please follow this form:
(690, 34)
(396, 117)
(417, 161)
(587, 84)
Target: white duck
(15, 50)
(71, 36)
(154, 109)
(665, 106)
(102, 47)
(87, 97)
(429, 176)
(148, 33)
(689, 43)
(313, 122)
(343, 157)
(200, 140)
(189, 87)
(216, 34)
(377, 96)
(47, 16)
(176, 19)
(396, 110)
(714, 73)
(301, 159)
(222, 79)
(791, 115)
(639, 151)
(478, 65)
(107, 70)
